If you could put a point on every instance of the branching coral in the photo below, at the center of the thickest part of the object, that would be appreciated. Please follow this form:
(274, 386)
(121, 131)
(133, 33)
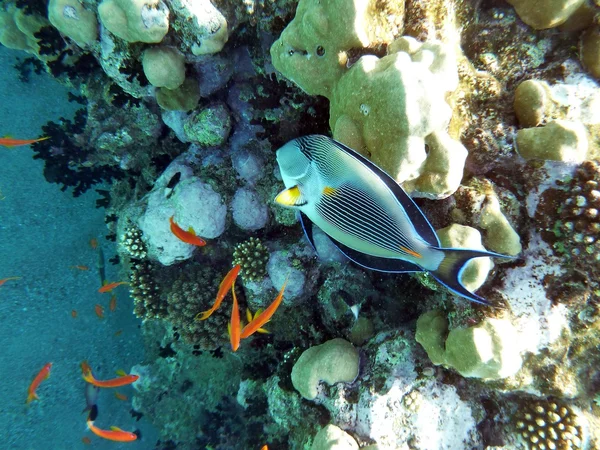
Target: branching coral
(192, 292)
(252, 256)
(145, 291)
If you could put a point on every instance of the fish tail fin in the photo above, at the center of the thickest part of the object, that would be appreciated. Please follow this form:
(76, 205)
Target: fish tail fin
(450, 270)
(31, 397)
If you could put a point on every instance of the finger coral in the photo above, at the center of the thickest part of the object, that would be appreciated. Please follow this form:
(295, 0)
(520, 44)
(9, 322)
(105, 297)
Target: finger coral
(252, 256)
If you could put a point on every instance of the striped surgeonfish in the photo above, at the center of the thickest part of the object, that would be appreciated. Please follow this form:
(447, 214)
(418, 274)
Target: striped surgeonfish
(366, 213)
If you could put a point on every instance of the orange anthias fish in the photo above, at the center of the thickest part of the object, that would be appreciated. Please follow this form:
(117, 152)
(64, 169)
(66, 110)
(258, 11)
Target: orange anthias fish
(10, 142)
(80, 267)
(94, 243)
(110, 286)
(115, 382)
(113, 303)
(86, 440)
(120, 396)
(99, 311)
(41, 376)
(223, 289)
(235, 325)
(189, 237)
(4, 280)
(264, 316)
(114, 434)
(73, 314)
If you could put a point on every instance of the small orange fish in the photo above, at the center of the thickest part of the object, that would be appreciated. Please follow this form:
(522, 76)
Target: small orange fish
(250, 317)
(41, 376)
(99, 311)
(115, 382)
(264, 447)
(118, 332)
(234, 325)
(223, 289)
(114, 434)
(4, 280)
(112, 305)
(94, 243)
(73, 314)
(86, 440)
(120, 396)
(189, 237)
(264, 316)
(10, 142)
(110, 286)
(80, 267)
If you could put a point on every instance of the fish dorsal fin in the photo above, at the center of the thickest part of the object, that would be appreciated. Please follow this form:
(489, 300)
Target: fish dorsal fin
(191, 231)
(291, 197)
(418, 219)
(113, 428)
(362, 259)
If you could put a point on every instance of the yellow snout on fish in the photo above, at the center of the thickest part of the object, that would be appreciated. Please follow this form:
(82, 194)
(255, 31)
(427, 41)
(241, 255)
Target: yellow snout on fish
(366, 213)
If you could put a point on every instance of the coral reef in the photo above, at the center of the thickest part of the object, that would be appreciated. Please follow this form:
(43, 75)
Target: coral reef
(482, 109)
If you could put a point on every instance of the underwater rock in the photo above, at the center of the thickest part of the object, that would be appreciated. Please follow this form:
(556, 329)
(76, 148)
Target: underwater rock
(335, 361)
(74, 21)
(189, 205)
(332, 437)
(488, 351)
(210, 126)
(281, 269)
(248, 165)
(214, 72)
(249, 211)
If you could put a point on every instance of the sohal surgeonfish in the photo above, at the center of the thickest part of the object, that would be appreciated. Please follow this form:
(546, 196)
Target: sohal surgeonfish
(366, 213)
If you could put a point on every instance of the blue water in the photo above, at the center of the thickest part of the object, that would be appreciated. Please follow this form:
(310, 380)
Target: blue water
(43, 232)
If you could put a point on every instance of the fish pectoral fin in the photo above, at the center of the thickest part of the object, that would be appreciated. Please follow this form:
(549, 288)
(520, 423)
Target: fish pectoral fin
(291, 197)
(263, 331)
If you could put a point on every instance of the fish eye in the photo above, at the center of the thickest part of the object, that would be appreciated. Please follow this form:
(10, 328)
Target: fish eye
(320, 50)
